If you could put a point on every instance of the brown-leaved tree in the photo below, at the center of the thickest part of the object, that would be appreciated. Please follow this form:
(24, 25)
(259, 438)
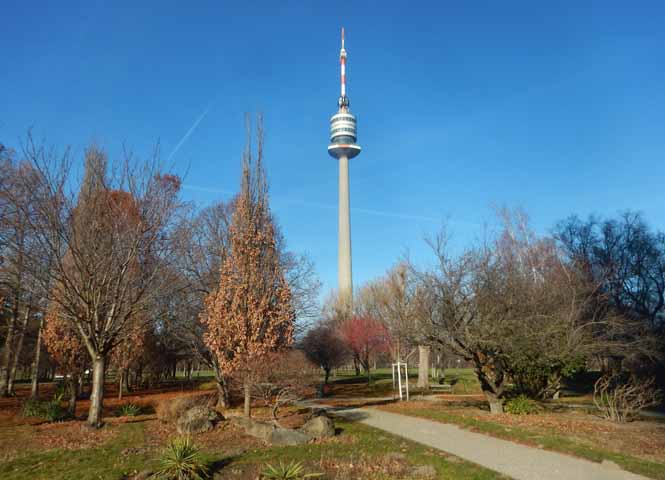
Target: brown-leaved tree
(250, 314)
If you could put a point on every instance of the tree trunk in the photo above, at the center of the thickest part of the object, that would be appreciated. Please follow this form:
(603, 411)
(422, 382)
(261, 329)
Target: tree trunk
(365, 365)
(7, 355)
(97, 395)
(17, 352)
(491, 378)
(327, 373)
(356, 366)
(73, 390)
(496, 405)
(121, 375)
(423, 367)
(223, 400)
(248, 398)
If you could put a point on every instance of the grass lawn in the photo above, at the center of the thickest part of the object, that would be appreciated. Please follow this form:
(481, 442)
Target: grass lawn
(347, 384)
(127, 446)
(638, 447)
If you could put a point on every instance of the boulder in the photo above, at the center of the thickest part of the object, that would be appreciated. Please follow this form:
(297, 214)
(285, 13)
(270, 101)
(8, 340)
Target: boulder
(197, 419)
(319, 427)
(287, 436)
(260, 430)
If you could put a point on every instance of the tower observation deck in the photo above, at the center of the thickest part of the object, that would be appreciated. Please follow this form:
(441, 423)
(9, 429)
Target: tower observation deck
(343, 147)
(343, 123)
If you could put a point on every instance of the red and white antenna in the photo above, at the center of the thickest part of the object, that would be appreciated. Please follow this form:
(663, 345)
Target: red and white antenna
(342, 63)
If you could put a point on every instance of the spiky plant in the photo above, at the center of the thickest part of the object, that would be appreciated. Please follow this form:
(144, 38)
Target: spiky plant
(129, 410)
(181, 460)
(291, 471)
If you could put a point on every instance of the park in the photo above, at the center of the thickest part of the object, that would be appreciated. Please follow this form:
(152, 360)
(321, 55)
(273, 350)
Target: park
(168, 314)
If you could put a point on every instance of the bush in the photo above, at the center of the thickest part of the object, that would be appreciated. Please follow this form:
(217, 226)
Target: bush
(129, 410)
(291, 471)
(50, 410)
(172, 409)
(521, 405)
(182, 461)
(621, 397)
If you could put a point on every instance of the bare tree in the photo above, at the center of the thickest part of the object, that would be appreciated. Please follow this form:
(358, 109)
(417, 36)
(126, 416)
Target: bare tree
(109, 245)
(22, 261)
(626, 259)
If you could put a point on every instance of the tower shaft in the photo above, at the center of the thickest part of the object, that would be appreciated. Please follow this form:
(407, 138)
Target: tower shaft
(344, 274)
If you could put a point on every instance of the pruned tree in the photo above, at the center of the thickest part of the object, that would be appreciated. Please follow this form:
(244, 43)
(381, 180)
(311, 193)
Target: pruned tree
(251, 313)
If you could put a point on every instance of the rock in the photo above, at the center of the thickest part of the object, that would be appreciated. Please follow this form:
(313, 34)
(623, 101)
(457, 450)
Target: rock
(197, 419)
(319, 427)
(260, 430)
(287, 436)
(423, 471)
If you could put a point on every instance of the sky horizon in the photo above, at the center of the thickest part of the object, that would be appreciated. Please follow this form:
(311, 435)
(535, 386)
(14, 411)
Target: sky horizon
(555, 109)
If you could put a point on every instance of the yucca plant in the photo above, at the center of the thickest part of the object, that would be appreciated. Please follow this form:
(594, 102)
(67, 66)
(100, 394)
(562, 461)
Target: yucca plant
(182, 461)
(291, 471)
(129, 410)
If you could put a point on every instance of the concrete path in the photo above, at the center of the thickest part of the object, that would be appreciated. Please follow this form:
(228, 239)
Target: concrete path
(517, 461)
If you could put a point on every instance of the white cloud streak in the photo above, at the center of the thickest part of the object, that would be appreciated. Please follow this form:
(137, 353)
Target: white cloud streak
(190, 131)
(324, 206)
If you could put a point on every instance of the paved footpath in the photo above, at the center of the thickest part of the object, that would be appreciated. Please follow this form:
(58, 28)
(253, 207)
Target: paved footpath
(517, 461)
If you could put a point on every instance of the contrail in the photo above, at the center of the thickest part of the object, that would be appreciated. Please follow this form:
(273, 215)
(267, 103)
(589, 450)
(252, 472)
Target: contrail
(367, 211)
(191, 130)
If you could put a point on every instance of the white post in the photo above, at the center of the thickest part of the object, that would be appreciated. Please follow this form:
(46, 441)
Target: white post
(399, 380)
(406, 378)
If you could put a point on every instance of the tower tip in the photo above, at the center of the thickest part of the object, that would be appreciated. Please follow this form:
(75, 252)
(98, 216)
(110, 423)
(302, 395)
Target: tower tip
(342, 37)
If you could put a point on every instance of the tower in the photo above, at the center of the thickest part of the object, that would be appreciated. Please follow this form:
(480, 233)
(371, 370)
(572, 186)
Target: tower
(343, 147)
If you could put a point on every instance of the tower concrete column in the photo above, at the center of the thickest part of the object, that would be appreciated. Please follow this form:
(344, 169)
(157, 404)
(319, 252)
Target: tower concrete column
(344, 275)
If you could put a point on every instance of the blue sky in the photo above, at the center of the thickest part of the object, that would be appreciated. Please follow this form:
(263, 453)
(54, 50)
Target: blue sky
(555, 107)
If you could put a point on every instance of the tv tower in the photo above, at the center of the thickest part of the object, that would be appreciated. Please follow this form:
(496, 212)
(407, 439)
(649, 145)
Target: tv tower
(343, 147)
